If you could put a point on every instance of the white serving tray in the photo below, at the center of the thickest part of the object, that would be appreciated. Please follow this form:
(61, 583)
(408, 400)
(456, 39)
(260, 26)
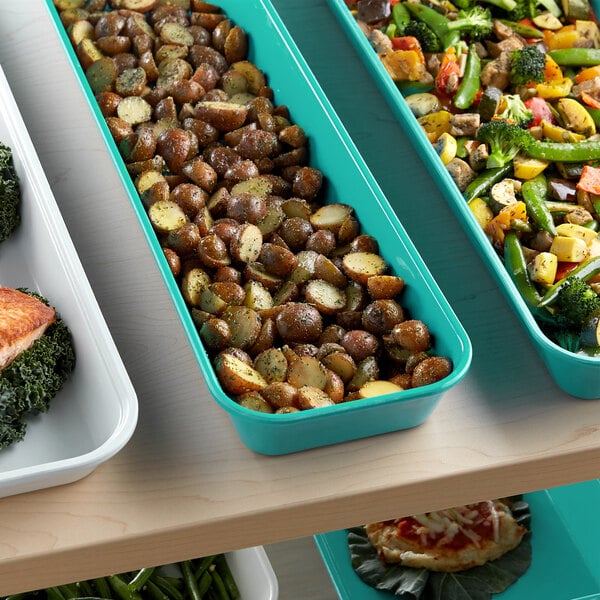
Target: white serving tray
(95, 414)
(253, 574)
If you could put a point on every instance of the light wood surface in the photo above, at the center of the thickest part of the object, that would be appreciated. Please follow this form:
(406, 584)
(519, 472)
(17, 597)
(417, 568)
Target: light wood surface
(185, 485)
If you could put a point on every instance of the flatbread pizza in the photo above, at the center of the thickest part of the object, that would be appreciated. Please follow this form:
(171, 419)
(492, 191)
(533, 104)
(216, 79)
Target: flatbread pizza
(470, 551)
(448, 540)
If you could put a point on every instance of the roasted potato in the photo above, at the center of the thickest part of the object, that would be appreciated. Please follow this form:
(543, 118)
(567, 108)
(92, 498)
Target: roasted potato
(293, 301)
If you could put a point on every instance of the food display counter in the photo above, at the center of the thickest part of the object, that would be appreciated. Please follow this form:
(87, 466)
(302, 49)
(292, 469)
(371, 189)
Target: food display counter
(185, 485)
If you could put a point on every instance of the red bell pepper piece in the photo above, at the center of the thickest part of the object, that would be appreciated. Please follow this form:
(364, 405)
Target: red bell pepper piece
(563, 269)
(540, 109)
(589, 181)
(448, 78)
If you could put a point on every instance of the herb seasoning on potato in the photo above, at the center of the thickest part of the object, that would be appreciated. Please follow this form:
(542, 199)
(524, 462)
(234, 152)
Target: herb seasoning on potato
(292, 300)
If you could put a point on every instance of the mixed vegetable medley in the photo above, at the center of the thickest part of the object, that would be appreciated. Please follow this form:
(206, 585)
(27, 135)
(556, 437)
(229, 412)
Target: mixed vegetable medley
(508, 92)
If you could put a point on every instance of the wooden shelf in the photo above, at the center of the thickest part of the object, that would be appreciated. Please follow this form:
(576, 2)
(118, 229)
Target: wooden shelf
(185, 485)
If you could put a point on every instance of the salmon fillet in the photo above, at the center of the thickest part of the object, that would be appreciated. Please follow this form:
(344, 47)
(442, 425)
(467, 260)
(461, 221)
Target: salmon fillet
(23, 320)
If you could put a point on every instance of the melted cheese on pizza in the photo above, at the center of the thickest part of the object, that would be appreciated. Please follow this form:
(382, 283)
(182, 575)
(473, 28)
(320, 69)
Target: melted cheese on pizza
(448, 540)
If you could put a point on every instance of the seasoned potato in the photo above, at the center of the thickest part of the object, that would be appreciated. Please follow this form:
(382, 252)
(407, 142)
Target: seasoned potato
(292, 300)
(173, 261)
(184, 240)
(245, 325)
(272, 365)
(412, 334)
(192, 284)
(366, 370)
(362, 265)
(190, 197)
(359, 344)
(330, 216)
(215, 333)
(166, 216)
(223, 116)
(257, 296)
(431, 370)
(299, 322)
(247, 245)
(174, 146)
(307, 370)
(254, 401)
(237, 377)
(326, 297)
(378, 388)
(108, 102)
(277, 260)
(134, 110)
(213, 251)
(254, 76)
(313, 397)
(102, 74)
(384, 287)
(280, 394)
(380, 316)
(340, 363)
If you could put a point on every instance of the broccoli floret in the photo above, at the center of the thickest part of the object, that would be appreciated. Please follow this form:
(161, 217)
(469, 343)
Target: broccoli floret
(515, 111)
(576, 303)
(504, 139)
(427, 38)
(527, 65)
(30, 381)
(475, 22)
(527, 9)
(10, 194)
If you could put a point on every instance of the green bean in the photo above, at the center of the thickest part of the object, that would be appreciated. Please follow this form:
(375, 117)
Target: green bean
(54, 593)
(205, 563)
(155, 592)
(141, 577)
(219, 586)
(102, 587)
(227, 576)
(166, 586)
(564, 152)
(437, 22)
(534, 192)
(204, 583)
(85, 589)
(400, 16)
(576, 57)
(516, 265)
(523, 30)
(121, 589)
(69, 590)
(588, 268)
(471, 82)
(190, 582)
(485, 180)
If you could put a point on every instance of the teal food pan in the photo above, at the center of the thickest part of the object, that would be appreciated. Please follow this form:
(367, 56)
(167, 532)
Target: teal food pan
(564, 561)
(348, 181)
(578, 375)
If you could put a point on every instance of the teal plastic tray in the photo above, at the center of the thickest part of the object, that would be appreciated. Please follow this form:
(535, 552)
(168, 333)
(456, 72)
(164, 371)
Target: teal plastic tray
(565, 551)
(347, 180)
(577, 375)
